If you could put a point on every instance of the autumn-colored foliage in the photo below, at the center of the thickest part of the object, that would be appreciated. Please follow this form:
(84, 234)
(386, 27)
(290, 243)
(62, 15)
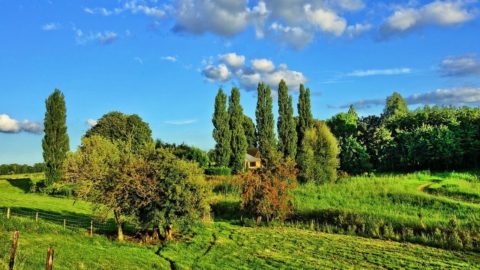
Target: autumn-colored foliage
(266, 193)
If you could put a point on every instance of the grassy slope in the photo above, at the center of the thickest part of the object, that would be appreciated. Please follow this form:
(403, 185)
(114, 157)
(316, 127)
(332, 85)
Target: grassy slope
(227, 246)
(397, 199)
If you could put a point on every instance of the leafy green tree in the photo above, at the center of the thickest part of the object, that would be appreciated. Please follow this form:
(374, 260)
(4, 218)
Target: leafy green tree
(221, 131)
(249, 128)
(186, 152)
(287, 133)
(117, 126)
(305, 117)
(110, 175)
(55, 142)
(265, 125)
(179, 193)
(395, 105)
(238, 140)
(319, 156)
(344, 124)
(354, 158)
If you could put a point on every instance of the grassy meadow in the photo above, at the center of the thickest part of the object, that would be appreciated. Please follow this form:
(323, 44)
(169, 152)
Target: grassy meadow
(321, 235)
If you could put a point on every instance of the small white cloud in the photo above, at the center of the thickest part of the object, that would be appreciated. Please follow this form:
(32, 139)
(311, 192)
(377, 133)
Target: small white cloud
(219, 73)
(133, 6)
(180, 122)
(325, 20)
(10, 125)
(358, 29)
(104, 38)
(295, 36)
(233, 60)
(92, 122)
(169, 58)
(262, 65)
(377, 72)
(50, 26)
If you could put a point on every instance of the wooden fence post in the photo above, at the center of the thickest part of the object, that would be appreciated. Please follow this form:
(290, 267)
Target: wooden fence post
(64, 224)
(91, 228)
(13, 250)
(8, 213)
(36, 217)
(49, 264)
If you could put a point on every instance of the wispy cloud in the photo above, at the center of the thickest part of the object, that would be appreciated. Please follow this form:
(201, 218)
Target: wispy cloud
(169, 58)
(133, 6)
(180, 122)
(103, 38)
(10, 125)
(379, 72)
(460, 66)
(50, 26)
(452, 96)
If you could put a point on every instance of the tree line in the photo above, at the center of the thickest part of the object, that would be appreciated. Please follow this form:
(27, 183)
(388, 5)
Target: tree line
(21, 168)
(427, 138)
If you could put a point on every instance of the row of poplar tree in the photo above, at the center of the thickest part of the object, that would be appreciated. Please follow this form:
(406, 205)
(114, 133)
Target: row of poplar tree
(301, 138)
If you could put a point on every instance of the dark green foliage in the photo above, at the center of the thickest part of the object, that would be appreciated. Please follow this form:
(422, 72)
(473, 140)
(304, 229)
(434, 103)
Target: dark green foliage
(238, 140)
(221, 131)
(395, 105)
(265, 125)
(249, 128)
(354, 157)
(305, 117)
(319, 156)
(117, 126)
(186, 152)
(287, 133)
(225, 171)
(21, 168)
(55, 142)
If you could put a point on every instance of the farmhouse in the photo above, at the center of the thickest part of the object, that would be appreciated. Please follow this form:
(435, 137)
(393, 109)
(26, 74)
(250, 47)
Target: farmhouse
(252, 159)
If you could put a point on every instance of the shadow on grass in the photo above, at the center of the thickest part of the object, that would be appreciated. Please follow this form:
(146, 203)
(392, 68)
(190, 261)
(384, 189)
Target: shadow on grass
(72, 220)
(227, 211)
(25, 184)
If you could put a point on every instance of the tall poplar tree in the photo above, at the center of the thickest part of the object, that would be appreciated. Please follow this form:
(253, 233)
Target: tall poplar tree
(238, 140)
(55, 142)
(305, 118)
(221, 131)
(265, 125)
(287, 133)
(249, 128)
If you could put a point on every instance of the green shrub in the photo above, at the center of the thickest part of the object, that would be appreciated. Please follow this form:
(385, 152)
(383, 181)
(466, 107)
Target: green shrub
(225, 171)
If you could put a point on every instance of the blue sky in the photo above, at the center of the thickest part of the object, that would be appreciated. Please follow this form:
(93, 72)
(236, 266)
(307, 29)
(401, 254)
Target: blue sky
(165, 60)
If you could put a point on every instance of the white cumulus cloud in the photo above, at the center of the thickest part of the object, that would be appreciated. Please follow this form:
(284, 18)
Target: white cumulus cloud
(10, 125)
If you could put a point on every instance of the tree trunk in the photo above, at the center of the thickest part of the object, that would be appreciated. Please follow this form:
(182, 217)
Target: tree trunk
(156, 233)
(168, 233)
(120, 236)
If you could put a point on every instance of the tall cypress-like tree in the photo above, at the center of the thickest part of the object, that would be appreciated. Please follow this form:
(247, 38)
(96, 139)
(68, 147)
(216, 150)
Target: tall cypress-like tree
(221, 131)
(265, 125)
(249, 128)
(55, 142)
(305, 118)
(395, 105)
(287, 133)
(238, 140)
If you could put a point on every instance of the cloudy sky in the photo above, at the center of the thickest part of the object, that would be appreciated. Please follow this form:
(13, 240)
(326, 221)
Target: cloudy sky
(165, 60)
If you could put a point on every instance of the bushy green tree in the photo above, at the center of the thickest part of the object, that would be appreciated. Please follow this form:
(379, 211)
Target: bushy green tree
(265, 125)
(319, 157)
(186, 152)
(354, 157)
(344, 124)
(221, 131)
(55, 142)
(287, 133)
(238, 140)
(117, 126)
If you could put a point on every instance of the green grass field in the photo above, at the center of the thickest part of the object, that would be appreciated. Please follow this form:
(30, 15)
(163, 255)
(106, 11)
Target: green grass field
(224, 244)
